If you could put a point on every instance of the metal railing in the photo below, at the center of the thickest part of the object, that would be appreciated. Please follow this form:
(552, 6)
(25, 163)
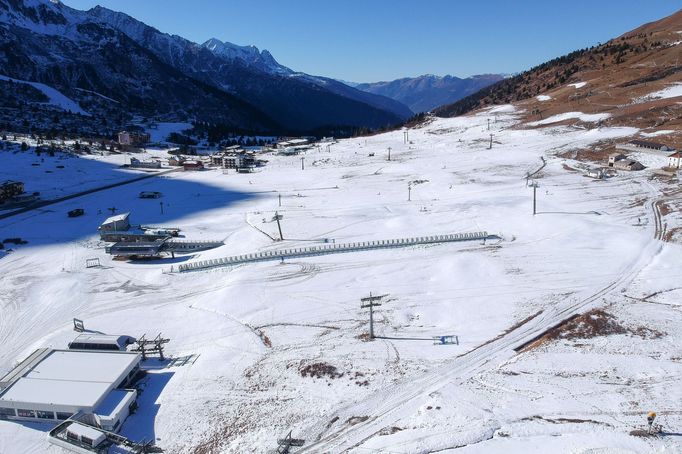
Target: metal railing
(334, 248)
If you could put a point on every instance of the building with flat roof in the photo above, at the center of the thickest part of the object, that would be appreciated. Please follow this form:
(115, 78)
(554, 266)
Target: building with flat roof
(53, 385)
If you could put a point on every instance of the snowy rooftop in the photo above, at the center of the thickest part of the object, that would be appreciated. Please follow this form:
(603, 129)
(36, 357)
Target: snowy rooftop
(69, 377)
(117, 218)
(82, 430)
(114, 402)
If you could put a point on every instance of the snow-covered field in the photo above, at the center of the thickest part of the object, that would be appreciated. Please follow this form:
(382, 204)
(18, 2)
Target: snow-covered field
(255, 332)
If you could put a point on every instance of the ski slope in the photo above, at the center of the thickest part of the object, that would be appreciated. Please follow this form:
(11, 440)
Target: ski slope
(250, 333)
(56, 97)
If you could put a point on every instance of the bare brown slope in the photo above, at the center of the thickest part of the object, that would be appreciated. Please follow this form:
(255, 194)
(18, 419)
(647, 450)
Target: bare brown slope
(616, 73)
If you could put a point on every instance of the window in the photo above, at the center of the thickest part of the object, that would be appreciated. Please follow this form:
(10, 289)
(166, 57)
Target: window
(63, 416)
(7, 411)
(45, 414)
(26, 413)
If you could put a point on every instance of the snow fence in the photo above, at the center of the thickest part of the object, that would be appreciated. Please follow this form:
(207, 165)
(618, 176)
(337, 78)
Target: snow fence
(334, 248)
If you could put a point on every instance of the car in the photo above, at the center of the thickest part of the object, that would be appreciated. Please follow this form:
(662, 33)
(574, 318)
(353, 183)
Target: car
(76, 212)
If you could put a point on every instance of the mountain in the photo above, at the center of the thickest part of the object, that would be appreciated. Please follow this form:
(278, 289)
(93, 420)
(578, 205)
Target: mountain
(425, 93)
(154, 74)
(617, 78)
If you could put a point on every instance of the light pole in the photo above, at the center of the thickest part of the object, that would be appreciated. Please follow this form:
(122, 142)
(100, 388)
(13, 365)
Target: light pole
(389, 153)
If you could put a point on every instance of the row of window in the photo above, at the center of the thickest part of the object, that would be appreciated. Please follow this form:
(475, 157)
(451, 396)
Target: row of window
(23, 413)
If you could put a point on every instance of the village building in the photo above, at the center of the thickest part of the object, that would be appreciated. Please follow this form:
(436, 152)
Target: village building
(238, 159)
(10, 189)
(292, 143)
(133, 139)
(675, 160)
(53, 385)
(117, 223)
(136, 163)
(621, 162)
(193, 165)
(644, 146)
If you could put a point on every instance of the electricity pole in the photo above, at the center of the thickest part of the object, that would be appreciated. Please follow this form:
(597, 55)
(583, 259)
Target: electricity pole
(535, 188)
(389, 153)
(370, 302)
(409, 192)
(277, 218)
(279, 197)
(488, 124)
(302, 160)
(491, 142)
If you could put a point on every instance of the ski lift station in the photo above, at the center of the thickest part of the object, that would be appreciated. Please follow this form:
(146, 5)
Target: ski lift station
(54, 385)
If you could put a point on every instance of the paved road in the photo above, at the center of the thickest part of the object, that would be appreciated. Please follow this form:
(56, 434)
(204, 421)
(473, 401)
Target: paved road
(44, 203)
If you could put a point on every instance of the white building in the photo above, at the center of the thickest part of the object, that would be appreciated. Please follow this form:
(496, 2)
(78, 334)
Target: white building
(117, 223)
(675, 160)
(53, 385)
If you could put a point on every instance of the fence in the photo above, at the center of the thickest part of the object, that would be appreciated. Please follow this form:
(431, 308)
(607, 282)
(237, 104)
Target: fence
(335, 248)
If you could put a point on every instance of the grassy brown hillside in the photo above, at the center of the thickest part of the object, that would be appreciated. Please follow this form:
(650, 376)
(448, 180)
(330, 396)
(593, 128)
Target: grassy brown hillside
(617, 76)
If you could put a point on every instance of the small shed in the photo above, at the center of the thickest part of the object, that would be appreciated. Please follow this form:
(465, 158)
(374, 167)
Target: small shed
(85, 434)
(117, 223)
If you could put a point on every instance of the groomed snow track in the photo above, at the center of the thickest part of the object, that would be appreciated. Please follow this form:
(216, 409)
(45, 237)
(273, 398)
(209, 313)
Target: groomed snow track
(335, 248)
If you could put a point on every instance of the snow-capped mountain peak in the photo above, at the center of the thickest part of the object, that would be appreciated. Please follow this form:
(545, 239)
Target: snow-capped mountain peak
(250, 55)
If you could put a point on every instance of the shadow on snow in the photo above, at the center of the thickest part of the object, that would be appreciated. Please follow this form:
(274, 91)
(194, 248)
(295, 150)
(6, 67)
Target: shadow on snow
(181, 198)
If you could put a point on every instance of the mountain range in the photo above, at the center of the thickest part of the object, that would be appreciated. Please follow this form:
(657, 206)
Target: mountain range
(135, 68)
(425, 93)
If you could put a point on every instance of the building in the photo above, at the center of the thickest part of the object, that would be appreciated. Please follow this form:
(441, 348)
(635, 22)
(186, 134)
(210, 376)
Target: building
(54, 385)
(136, 249)
(10, 189)
(613, 157)
(117, 223)
(644, 146)
(100, 342)
(235, 159)
(193, 165)
(133, 139)
(292, 143)
(134, 162)
(675, 160)
(621, 162)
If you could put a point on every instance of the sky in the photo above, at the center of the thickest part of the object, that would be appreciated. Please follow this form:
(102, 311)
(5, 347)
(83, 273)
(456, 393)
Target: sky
(373, 40)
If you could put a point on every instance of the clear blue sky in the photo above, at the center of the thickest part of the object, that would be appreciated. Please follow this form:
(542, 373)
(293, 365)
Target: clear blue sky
(371, 40)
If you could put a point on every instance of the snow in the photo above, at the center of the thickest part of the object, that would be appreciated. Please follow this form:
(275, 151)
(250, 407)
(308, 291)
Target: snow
(543, 97)
(57, 98)
(673, 91)
(160, 131)
(591, 118)
(578, 84)
(660, 132)
(591, 244)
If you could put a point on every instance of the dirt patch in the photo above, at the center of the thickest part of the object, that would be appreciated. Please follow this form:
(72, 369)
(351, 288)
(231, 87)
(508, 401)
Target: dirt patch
(594, 323)
(569, 168)
(353, 420)
(390, 430)
(673, 235)
(264, 338)
(364, 337)
(320, 370)
(565, 420)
